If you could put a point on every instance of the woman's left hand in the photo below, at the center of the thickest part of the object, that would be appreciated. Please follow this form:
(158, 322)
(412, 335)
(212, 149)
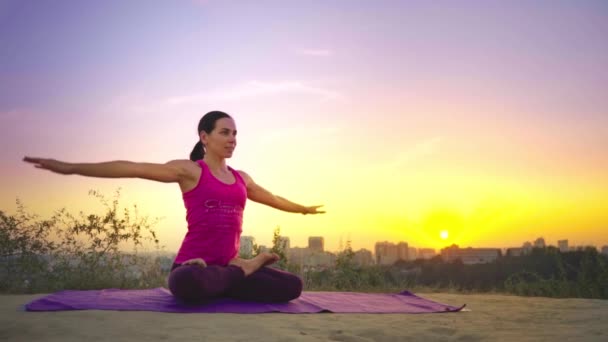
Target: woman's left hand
(313, 210)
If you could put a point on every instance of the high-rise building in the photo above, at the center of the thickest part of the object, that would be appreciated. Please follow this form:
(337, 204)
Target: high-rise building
(563, 245)
(539, 243)
(605, 250)
(402, 251)
(246, 246)
(316, 243)
(386, 253)
(412, 253)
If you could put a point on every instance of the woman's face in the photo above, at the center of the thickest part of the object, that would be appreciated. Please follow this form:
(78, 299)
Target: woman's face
(222, 140)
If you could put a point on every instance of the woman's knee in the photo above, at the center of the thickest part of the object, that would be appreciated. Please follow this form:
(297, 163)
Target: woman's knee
(181, 281)
(185, 283)
(193, 282)
(294, 286)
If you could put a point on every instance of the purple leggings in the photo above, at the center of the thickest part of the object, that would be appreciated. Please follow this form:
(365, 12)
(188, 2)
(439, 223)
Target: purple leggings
(192, 283)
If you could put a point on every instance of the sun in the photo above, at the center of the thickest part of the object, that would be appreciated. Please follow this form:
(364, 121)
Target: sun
(443, 234)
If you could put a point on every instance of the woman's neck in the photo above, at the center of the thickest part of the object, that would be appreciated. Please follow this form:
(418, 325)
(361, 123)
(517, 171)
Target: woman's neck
(217, 164)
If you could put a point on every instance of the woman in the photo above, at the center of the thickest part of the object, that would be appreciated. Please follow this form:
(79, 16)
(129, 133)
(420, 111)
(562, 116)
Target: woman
(214, 194)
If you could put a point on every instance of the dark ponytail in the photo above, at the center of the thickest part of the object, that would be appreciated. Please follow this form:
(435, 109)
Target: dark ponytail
(197, 152)
(207, 124)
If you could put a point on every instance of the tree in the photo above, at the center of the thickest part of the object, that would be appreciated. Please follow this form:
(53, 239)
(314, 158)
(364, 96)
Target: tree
(278, 247)
(346, 276)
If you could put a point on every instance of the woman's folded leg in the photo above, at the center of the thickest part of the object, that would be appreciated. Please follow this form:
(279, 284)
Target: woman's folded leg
(193, 283)
(267, 285)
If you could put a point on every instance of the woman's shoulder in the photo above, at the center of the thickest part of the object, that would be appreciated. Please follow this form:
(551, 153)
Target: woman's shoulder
(183, 163)
(245, 176)
(190, 173)
(242, 173)
(186, 165)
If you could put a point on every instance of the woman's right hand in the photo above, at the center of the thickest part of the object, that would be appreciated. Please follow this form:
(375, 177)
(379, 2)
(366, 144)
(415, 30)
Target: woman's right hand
(50, 164)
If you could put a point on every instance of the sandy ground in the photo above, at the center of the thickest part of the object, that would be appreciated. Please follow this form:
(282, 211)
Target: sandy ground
(492, 318)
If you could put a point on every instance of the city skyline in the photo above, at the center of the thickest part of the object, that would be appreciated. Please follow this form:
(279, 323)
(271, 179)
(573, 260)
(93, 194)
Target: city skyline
(472, 123)
(539, 242)
(387, 253)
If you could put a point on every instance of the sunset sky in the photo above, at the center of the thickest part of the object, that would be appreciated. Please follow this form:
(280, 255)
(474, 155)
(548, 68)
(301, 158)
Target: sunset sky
(485, 119)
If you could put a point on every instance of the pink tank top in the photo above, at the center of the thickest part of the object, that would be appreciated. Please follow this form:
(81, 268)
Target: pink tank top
(214, 211)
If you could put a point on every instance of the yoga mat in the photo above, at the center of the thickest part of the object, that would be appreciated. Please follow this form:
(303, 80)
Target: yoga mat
(161, 300)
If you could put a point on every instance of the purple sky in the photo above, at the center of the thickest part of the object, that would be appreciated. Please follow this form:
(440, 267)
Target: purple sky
(508, 96)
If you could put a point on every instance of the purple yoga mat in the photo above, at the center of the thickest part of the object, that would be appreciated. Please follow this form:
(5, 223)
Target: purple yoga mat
(160, 299)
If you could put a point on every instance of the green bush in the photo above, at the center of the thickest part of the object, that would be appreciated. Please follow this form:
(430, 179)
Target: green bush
(77, 252)
(545, 272)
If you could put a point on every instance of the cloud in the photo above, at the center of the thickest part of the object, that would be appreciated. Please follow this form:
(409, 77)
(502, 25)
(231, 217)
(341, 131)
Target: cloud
(299, 132)
(423, 148)
(201, 2)
(315, 52)
(254, 89)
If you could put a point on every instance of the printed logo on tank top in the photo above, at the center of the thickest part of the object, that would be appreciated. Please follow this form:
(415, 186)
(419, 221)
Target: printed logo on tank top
(222, 214)
(219, 207)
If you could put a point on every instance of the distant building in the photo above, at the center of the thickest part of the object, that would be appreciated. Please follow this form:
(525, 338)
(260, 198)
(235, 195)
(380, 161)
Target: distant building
(426, 253)
(563, 246)
(310, 259)
(363, 257)
(402, 251)
(412, 253)
(386, 252)
(320, 260)
(515, 251)
(605, 250)
(527, 247)
(316, 243)
(470, 255)
(297, 255)
(539, 243)
(246, 246)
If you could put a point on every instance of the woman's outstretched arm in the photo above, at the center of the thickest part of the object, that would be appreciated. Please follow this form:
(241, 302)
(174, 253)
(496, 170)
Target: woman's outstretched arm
(258, 194)
(173, 171)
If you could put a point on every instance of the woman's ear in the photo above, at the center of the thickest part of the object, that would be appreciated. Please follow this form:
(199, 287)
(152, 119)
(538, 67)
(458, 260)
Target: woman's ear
(203, 136)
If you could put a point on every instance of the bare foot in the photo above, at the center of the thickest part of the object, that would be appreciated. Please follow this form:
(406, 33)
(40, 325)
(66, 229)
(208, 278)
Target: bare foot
(198, 261)
(251, 265)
